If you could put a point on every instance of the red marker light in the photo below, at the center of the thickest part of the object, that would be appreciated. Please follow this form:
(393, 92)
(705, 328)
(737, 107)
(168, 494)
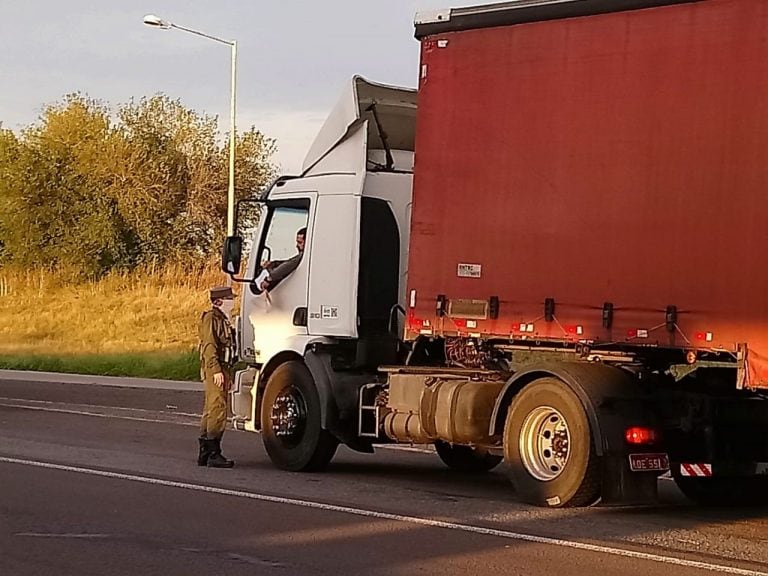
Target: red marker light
(639, 435)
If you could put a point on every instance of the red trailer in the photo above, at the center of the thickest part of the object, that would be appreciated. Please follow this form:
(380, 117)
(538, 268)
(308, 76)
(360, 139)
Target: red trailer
(598, 170)
(589, 217)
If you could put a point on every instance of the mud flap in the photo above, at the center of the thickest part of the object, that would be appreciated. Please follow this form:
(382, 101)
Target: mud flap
(622, 487)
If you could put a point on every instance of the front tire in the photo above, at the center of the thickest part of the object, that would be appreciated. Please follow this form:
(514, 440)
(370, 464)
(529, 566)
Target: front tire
(549, 448)
(290, 418)
(466, 459)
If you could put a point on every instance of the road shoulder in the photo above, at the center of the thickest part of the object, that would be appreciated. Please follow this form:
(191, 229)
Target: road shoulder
(117, 381)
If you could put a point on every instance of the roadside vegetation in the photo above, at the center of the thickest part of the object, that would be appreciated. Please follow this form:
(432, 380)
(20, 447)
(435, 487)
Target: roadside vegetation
(140, 322)
(110, 227)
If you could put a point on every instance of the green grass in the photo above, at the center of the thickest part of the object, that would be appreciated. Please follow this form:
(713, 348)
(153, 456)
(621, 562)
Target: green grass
(164, 365)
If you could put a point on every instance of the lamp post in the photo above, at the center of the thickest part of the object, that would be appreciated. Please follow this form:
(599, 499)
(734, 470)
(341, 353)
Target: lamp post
(156, 22)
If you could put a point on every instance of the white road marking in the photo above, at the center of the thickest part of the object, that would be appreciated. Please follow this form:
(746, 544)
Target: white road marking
(670, 560)
(21, 402)
(97, 414)
(75, 536)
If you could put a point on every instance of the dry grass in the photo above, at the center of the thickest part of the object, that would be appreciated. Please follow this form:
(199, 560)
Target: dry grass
(149, 310)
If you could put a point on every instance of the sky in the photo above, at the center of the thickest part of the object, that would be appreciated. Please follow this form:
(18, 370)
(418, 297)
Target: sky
(294, 57)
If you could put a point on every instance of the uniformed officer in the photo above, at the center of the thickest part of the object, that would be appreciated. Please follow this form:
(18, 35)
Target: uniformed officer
(216, 362)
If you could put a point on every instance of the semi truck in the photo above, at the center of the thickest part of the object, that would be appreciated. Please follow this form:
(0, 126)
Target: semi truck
(550, 255)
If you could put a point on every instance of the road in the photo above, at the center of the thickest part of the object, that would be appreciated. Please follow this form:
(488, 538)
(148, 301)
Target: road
(102, 480)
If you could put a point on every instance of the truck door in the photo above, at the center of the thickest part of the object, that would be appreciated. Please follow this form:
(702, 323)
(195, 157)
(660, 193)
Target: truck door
(335, 248)
(271, 318)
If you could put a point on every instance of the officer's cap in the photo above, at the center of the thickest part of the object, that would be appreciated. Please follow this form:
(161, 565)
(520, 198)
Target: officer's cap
(222, 293)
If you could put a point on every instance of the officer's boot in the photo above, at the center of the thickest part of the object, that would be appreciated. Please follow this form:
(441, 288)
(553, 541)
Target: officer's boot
(216, 459)
(205, 451)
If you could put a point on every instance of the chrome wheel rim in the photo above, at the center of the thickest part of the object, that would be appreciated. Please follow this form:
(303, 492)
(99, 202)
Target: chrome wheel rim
(288, 416)
(545, 443)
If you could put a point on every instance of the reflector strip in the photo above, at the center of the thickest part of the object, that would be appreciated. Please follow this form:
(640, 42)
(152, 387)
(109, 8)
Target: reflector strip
(696, 470)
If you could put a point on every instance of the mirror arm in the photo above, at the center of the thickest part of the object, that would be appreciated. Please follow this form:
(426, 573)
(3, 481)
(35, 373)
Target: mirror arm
(242, 280)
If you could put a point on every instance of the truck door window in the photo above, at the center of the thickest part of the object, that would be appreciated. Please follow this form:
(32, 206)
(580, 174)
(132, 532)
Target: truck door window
(280, 241)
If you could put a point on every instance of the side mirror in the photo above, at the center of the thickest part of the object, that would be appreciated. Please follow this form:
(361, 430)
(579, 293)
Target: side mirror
(232, 255)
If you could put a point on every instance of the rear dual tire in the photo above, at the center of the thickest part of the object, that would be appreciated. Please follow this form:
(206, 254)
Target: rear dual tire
(549, 447)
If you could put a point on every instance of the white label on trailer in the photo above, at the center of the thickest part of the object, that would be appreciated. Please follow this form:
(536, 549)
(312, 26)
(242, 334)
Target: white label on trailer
(642, 333)
(471, 323)
(442, 43)
(469, 270)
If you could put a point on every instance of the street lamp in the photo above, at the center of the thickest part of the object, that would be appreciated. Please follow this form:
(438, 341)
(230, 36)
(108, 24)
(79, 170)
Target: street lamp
(157, 22)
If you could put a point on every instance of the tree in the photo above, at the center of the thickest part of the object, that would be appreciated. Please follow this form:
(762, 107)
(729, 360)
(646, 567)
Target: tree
(9, 151)
(55, 210)
(175, 175)
(81, 190)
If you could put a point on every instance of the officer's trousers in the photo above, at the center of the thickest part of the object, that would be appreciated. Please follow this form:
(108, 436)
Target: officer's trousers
(214, 419)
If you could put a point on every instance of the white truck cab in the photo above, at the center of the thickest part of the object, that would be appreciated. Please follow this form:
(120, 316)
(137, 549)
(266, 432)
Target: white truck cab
(353, 197)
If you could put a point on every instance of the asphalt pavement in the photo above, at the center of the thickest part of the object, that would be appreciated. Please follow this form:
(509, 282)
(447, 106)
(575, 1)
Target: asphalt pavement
(101, 479)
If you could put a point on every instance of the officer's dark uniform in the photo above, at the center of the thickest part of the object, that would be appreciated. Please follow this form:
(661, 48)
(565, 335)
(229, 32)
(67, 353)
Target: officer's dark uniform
(216, 356)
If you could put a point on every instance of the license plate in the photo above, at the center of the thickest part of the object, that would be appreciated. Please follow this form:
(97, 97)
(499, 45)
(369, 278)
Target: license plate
(648, 462)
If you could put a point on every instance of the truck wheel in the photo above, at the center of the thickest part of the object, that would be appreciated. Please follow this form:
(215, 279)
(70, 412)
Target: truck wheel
(549, 448)
(465, 458)
(723, 490)
(290, 416)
